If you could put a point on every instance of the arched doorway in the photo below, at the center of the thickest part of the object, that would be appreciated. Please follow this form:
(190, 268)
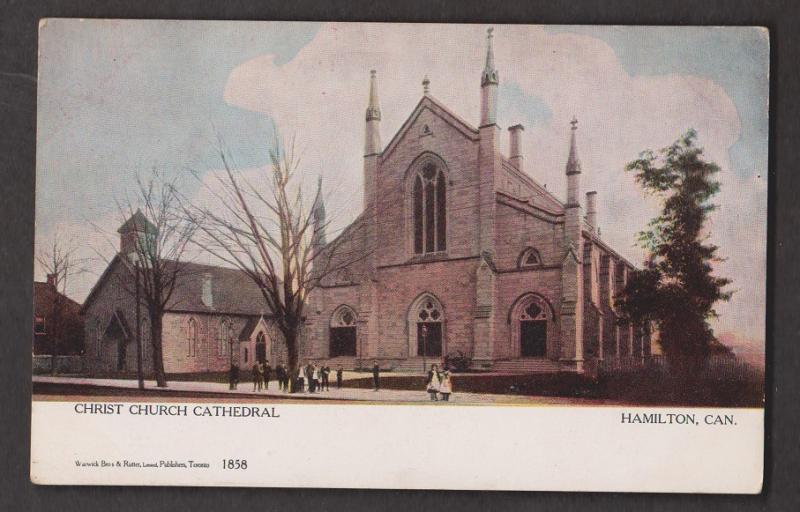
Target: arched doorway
(426, 327)
(343, 332)
(119, 335)
(531, 319)
(261, 347)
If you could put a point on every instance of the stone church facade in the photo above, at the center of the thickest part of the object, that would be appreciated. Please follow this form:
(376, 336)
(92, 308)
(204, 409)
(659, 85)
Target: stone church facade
(215, 317)
(459, 250)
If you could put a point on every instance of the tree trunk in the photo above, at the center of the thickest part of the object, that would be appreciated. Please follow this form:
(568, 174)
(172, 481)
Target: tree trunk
(290, 337)
(158, 357)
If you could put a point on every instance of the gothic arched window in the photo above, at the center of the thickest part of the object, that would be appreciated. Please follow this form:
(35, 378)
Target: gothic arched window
(430, 210)
(529, 258)
(192, 337)
(224, 333)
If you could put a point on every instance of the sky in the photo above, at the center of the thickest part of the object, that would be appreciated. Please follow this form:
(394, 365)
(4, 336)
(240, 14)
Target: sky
(119, 97)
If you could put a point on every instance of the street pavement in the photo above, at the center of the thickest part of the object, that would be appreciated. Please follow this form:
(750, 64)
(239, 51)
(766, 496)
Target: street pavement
(245, 389)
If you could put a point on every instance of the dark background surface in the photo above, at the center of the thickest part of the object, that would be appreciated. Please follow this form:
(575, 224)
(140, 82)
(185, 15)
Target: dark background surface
(18, 50)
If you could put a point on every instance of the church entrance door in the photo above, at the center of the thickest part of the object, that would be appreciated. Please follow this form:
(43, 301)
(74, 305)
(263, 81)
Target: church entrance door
(533, 338)
(261, 348)
(429, 339)
(343, 341)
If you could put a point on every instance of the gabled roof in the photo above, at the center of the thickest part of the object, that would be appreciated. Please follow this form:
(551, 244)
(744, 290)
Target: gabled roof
(43, 296)
(232, 291)
(430, 103)
(250, 327)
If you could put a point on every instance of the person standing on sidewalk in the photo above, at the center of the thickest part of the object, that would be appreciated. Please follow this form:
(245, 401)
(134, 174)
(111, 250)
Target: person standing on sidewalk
(446, 386)
(267, 372)
(299, 379)
(326, 380)
(376, 376)
(339, 378)
(433, 383)
(234, 376)
(258, 376)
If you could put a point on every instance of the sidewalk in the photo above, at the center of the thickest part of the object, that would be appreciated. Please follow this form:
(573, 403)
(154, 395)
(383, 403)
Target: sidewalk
(348, 394)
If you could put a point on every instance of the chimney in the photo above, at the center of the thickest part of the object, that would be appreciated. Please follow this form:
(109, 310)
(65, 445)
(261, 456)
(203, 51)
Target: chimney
(515, 153)
(51, 280)
(207, 296)
(591, 209)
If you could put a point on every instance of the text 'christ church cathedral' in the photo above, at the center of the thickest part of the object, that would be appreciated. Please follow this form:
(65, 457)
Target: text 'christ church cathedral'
(458, 250)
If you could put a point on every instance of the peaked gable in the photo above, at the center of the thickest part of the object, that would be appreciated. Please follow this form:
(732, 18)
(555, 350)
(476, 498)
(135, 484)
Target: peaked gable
(439, 110)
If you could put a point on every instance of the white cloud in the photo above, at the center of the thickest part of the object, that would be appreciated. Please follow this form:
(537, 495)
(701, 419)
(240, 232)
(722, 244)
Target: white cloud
(320, 95)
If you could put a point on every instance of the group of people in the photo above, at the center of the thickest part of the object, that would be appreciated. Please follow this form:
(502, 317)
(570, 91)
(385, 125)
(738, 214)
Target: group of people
(439, 383)
(313, 379)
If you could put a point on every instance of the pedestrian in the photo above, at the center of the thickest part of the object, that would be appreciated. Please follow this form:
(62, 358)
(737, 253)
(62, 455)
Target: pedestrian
(279, 377)
(376, 376)
(309, 373)
(267, 371)
(299, 380)
(446, 386)
(234, 376)
(315, 376)
(258, 376)
(339, 378)
(433, 383)
(326, 381)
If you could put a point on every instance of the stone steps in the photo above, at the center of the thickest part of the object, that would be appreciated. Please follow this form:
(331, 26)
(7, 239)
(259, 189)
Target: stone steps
(415, 365)
(526, 366)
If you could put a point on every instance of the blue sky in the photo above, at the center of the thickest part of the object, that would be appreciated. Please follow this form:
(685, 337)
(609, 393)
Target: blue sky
(737, 58)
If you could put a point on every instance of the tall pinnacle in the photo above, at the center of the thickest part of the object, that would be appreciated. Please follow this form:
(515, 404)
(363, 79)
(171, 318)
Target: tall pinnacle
(573, 163)
(318, 214)
(489, 75)
(373, 109)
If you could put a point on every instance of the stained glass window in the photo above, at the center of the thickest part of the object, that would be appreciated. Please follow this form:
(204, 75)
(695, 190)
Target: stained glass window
(430, 210)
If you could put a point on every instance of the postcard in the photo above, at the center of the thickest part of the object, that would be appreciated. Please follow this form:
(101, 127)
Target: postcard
(413, 256)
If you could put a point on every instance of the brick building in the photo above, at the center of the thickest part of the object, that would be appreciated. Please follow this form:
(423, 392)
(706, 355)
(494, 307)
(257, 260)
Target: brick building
(215, 316)
(460, 250)
(57, 324)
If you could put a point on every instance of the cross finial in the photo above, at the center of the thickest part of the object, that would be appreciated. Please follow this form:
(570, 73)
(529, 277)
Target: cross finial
(426, 83)
(574, 123)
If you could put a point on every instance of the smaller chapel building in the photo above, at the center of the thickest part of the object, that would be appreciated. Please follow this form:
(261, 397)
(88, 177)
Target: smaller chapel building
(214, 318)
(460, 251)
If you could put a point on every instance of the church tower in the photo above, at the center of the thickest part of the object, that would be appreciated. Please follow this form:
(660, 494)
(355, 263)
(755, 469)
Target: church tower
(489, 166)
(372, 143)
(572, 266)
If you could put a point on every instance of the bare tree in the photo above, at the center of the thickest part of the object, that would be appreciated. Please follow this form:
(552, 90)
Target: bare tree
(270, 233)
(154, 267)
(60, 262)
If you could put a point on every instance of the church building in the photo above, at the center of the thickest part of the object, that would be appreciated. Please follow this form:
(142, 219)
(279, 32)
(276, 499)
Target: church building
(460, 251)
(215, 317)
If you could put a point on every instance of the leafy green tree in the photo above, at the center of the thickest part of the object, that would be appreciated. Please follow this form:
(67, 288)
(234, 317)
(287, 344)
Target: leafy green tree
(676, 290)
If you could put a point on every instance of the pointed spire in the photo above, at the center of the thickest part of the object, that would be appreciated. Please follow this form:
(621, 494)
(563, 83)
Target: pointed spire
(426, 85)
(318, 214)
(489, 75)
(373, 109)
(573, 163)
